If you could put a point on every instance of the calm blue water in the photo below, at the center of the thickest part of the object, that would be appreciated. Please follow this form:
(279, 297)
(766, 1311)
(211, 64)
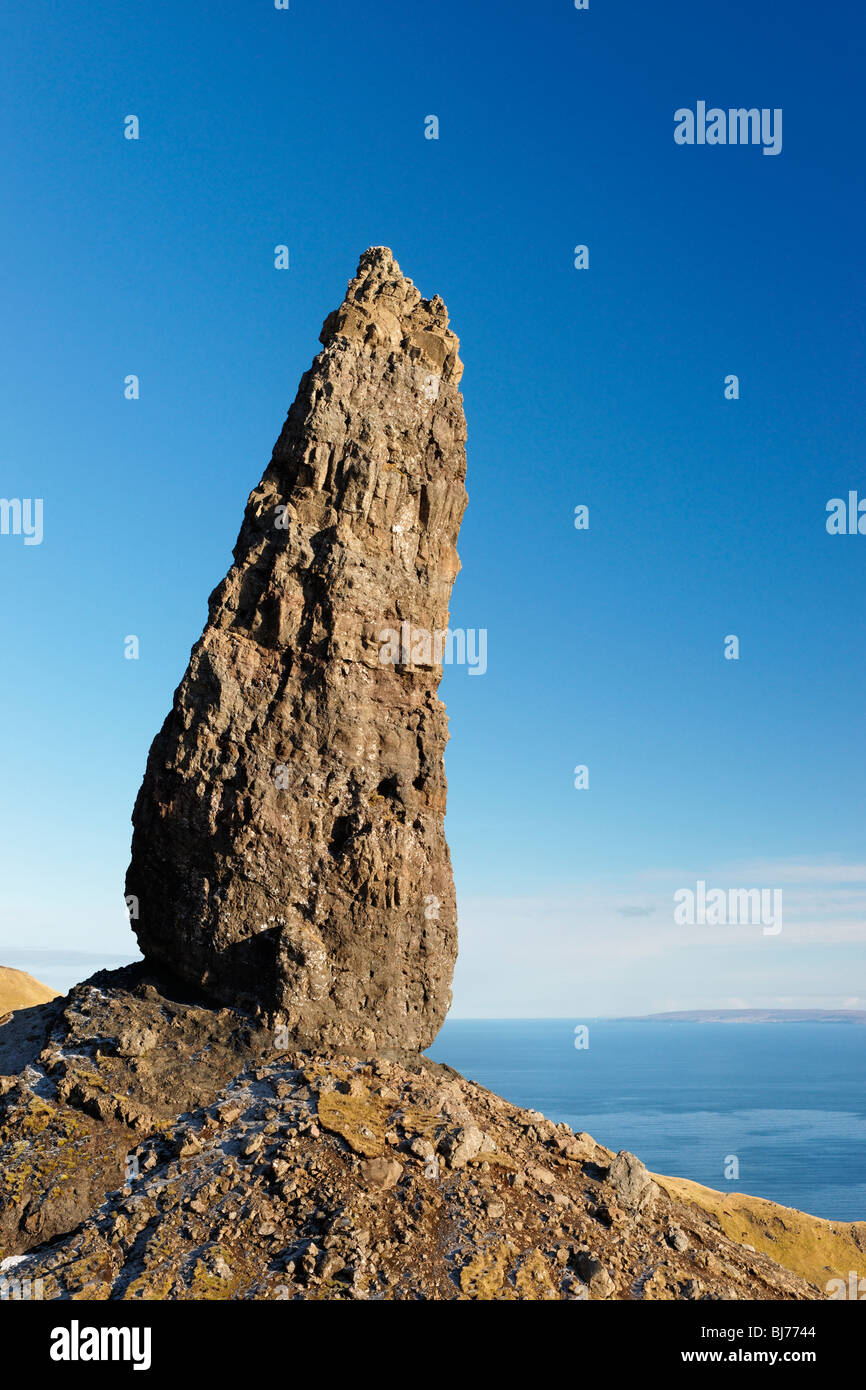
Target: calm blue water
(786, 1098)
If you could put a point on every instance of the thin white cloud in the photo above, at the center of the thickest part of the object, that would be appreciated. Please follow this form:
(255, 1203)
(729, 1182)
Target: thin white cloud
(606, 947)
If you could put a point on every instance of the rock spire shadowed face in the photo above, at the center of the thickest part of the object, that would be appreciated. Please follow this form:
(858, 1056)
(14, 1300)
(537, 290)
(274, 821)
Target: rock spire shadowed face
(288, 853)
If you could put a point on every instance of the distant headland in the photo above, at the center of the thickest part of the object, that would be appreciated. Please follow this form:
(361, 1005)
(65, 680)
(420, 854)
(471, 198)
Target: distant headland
(750, 1016)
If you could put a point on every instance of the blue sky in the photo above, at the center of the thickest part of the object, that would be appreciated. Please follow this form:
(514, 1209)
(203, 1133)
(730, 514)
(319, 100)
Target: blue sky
(603, 387)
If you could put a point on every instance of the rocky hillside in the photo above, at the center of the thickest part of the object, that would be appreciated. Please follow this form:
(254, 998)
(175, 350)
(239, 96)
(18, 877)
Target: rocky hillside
(155, 1147)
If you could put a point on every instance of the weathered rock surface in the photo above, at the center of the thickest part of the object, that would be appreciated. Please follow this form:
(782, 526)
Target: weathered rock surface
(288, 853)
(84, 1077)
(152, 1148)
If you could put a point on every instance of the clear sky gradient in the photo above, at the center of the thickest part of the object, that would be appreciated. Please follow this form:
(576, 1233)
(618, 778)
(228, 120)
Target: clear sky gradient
(602, 386)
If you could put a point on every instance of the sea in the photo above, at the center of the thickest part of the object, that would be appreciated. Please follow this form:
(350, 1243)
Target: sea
(775, 1110)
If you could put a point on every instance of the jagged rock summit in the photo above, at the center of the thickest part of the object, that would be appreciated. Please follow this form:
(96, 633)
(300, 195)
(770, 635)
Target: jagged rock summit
(288, 853)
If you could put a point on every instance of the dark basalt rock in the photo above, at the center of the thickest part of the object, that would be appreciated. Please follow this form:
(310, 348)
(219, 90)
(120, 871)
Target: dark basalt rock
(288, 854)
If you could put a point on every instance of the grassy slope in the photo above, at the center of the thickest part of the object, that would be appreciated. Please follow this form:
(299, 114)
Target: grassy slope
(816, 1249)
(18, 990)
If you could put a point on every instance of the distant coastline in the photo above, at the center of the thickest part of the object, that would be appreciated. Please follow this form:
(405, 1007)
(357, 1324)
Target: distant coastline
(749, 1016)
